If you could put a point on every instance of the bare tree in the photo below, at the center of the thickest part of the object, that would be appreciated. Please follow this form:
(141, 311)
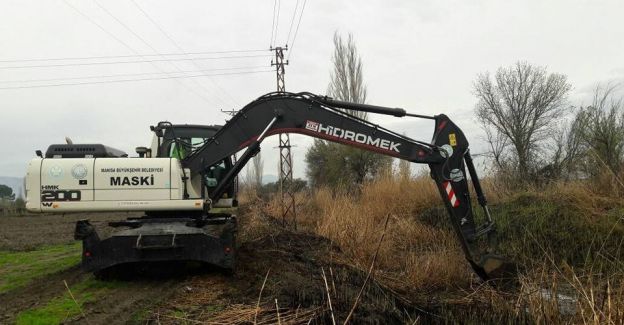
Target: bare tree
(347, 80)
(258, 170)
(567, 153)
(601, 129)
(498, 146)
(335, 164)
(405, 171)
(520, 106)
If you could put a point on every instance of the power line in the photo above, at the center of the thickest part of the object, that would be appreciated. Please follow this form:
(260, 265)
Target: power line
(128, 75)
(273, 24)
(129, 80)
(292, 20)
(279, 5)
(109, 13)
(162, 31)
(135, 61)
(99, 26)
(129, 56)
(129, 47)
(297, 29)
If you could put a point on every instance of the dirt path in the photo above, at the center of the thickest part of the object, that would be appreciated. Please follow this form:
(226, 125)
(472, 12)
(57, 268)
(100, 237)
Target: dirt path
(129, 302)
(116, 306)
(37, 293)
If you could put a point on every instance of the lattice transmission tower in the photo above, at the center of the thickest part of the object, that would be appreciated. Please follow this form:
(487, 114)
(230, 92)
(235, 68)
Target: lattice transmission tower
(289, 213)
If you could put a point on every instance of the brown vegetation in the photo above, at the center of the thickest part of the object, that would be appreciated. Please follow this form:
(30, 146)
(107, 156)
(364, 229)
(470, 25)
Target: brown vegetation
(565, 236)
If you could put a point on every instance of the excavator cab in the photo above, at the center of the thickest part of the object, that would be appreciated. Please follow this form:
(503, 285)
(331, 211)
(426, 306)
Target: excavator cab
(170, 235)
(180, 141)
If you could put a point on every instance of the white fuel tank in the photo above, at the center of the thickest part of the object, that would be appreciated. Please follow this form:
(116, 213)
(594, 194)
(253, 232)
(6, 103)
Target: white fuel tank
(106, 184)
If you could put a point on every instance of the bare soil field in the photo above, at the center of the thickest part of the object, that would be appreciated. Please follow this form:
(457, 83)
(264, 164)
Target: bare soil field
(28, 232)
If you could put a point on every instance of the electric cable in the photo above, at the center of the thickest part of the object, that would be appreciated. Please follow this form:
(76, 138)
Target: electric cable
(292, 21)
(273, 24)
(127, 75)
(132, 61)
(296, 29)
(279, 5)
(126, 27)
(130, 80)
(130, 48)
(129, 56)
(162, 31)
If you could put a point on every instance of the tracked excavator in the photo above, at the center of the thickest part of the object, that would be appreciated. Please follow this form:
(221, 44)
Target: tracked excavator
(189, 171)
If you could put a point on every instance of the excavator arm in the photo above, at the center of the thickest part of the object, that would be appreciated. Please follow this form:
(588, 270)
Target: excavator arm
(321, 117)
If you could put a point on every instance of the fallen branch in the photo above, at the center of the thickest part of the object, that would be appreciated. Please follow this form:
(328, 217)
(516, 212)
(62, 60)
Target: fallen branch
(260, 297)
(331, 309)
(76, 302)
(279, 322)
(243, 314)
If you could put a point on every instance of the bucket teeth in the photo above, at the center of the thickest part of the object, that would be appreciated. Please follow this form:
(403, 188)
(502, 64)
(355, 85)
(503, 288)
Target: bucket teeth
(496, 269)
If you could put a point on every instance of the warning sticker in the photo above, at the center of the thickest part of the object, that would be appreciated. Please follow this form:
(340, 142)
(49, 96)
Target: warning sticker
(452, 140)
(451, 194)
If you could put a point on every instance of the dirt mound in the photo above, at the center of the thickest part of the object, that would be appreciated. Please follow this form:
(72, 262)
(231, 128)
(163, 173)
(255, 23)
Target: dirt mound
(295, 263)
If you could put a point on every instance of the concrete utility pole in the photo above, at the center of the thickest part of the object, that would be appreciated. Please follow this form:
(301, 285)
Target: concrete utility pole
(286, 176)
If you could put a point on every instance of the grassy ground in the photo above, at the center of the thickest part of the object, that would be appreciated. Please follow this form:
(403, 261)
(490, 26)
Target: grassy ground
(38, 256)
(19, 268)
(69, 304)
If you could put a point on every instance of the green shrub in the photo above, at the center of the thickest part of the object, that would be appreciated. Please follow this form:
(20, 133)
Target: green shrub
(534, 227)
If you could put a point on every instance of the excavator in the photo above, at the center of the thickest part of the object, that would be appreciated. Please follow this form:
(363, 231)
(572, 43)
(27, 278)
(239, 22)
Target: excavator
(188, 173)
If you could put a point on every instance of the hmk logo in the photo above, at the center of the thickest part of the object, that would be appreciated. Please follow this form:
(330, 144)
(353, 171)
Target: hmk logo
(313, 126)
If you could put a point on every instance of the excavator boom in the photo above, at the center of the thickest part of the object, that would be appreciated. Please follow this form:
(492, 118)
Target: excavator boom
(447, 155)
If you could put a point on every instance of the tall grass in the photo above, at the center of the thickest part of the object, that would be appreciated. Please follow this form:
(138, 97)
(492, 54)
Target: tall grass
(567, 238)
(414, 257)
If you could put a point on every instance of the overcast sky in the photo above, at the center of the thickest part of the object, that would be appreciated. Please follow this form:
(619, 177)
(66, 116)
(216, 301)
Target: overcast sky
(419, 55)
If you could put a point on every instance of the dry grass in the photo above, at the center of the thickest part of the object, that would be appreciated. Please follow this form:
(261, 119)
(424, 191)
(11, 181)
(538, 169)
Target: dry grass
(413, 257)
(244, 314)
(418, 260)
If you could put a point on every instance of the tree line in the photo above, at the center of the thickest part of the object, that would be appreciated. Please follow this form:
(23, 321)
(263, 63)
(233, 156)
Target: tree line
(10, 204)
(534, 134)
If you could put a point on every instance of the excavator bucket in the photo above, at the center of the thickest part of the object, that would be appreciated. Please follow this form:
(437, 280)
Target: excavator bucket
(495, 268)
(478, 241)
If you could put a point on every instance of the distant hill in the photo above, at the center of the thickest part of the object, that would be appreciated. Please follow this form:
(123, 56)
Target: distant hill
(269, 179)
(16, 183)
